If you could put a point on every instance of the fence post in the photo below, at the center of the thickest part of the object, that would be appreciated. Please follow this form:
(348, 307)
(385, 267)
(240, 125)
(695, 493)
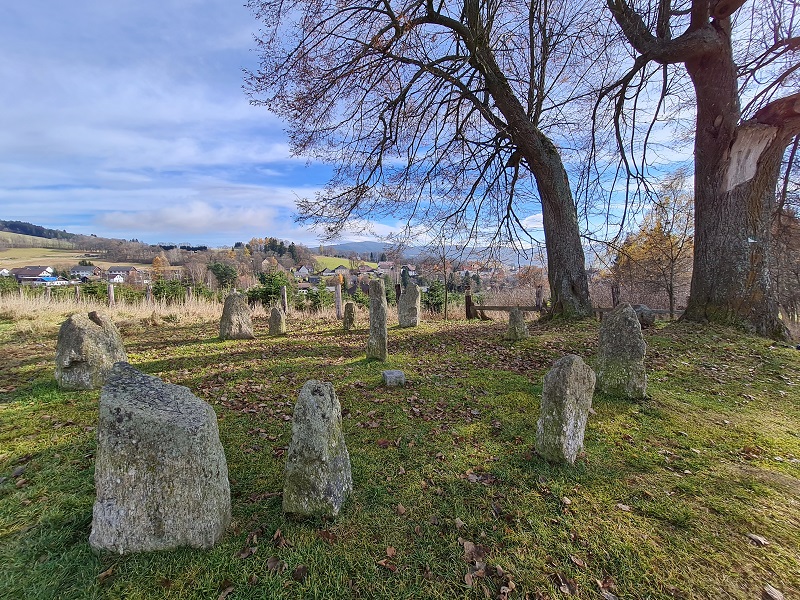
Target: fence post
(470, 308)
(338, 293)
(189, 294)
(539, 297)
(284, 300)
(77, 293)
(48, 294)
(614, 294)
(111, 301)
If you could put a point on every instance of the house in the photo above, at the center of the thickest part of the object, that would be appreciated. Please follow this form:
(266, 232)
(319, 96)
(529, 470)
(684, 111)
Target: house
(302, 272)
(385, 266)
(30, 274)
(364, 269)
(49, 281)
(327, 273)
(127, 275)
(342, 270)
(81, 271)
(412, 269)
(5, 273)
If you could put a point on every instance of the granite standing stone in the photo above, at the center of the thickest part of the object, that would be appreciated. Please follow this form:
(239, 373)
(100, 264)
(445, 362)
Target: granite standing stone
(394, 378)
(349, 316)
(160, 473)
(317, 476)
(409, 307)
(88, 347)
(566, 400)
(647, 318)
(517, 328)
(277, 321)
(236, 322)
(378, 343)
(620, 356)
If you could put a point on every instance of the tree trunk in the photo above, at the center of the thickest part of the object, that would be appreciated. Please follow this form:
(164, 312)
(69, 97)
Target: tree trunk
(736, 172)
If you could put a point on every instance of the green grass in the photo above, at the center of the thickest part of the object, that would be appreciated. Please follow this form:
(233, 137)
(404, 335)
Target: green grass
(709, 457)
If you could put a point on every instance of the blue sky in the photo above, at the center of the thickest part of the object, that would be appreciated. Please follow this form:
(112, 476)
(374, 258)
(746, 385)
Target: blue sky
(127, 119)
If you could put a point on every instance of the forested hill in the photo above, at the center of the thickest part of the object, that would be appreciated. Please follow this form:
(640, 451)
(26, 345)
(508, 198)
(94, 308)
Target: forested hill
(24, 228)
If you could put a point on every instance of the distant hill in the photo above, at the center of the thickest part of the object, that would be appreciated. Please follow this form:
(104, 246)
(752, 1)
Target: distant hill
(18, 240)
(24, 228)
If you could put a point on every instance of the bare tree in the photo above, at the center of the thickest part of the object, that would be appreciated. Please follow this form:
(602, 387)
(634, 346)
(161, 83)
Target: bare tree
(732, 54)
(444, 113)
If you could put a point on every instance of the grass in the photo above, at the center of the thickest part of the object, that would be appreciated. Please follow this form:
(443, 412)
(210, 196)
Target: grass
(659, 506)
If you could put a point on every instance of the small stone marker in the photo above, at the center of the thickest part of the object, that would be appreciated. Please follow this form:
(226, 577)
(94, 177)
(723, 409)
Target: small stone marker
(378, 342)
(394, 378)
(647, 318)
(88, 347)
(517, 328)
(317, 474)
(277, 321)
(566, 400)
(160, 473)
(620, 356)
(236, 322)
(409, 307)
(349, 316)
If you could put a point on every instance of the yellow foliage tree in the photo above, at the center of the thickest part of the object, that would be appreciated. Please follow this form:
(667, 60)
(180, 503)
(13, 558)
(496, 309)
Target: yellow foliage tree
(160, 266)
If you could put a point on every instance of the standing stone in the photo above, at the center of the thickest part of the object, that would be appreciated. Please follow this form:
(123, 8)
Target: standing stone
(378, 343)
(517, 328)
(337, 296)
(409, 307)
(349, 316)
(88, 347)
(160, 473)
(647, 318)
(566, 400)
(317, 476)
(620, 357)
(277, 321)
(236, 322)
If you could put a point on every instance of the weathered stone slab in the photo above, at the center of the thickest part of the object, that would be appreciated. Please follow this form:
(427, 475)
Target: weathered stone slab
(409, 306)
(394, 378)
(378, 342)
(277, 322)
(160, 475)
(517, 328)
(566, 400)
(236, 322)
(88, 347)
(349, 316)
(620, 356)
(318, 478)
(647, 318)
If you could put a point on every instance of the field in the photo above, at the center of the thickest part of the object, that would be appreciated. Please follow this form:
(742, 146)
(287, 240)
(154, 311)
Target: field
(18, 239)
(57, 258)
(445, 472)
(331, 262)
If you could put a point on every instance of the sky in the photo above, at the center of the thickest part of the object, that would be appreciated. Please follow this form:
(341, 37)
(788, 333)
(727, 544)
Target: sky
(127, 119)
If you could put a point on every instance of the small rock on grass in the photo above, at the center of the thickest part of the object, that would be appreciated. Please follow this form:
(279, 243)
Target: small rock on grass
(770, 593)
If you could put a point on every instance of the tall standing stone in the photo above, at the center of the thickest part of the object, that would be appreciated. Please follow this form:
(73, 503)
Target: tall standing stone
(88, 347)
(160, 473)
(236, 322)
(349, 316)
(566, 400)
(620, 357)
(517, 328)
(318, 478)
(277, 321)
(409, 307)
(378, 343)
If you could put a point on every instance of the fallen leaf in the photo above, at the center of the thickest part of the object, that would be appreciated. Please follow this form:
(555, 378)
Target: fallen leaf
(105, 575)
(770, 593)
(227, 588)
(300, 572)
(565, 584)
(383, 443)
(328, 536)
(246, 552)
(578, 562)
(280, 541)
(418, 530)
(468, 579)
(758, 540)
(276, 565)
(624, 507)
(391, 552)
(459, 523)
(401, 510)
(385, 563)
(253, 579)
(426, 573)
(566, 501)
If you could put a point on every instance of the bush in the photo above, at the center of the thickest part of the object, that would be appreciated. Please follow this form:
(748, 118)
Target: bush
(171, 290)
(269, 292)
(433, 299)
